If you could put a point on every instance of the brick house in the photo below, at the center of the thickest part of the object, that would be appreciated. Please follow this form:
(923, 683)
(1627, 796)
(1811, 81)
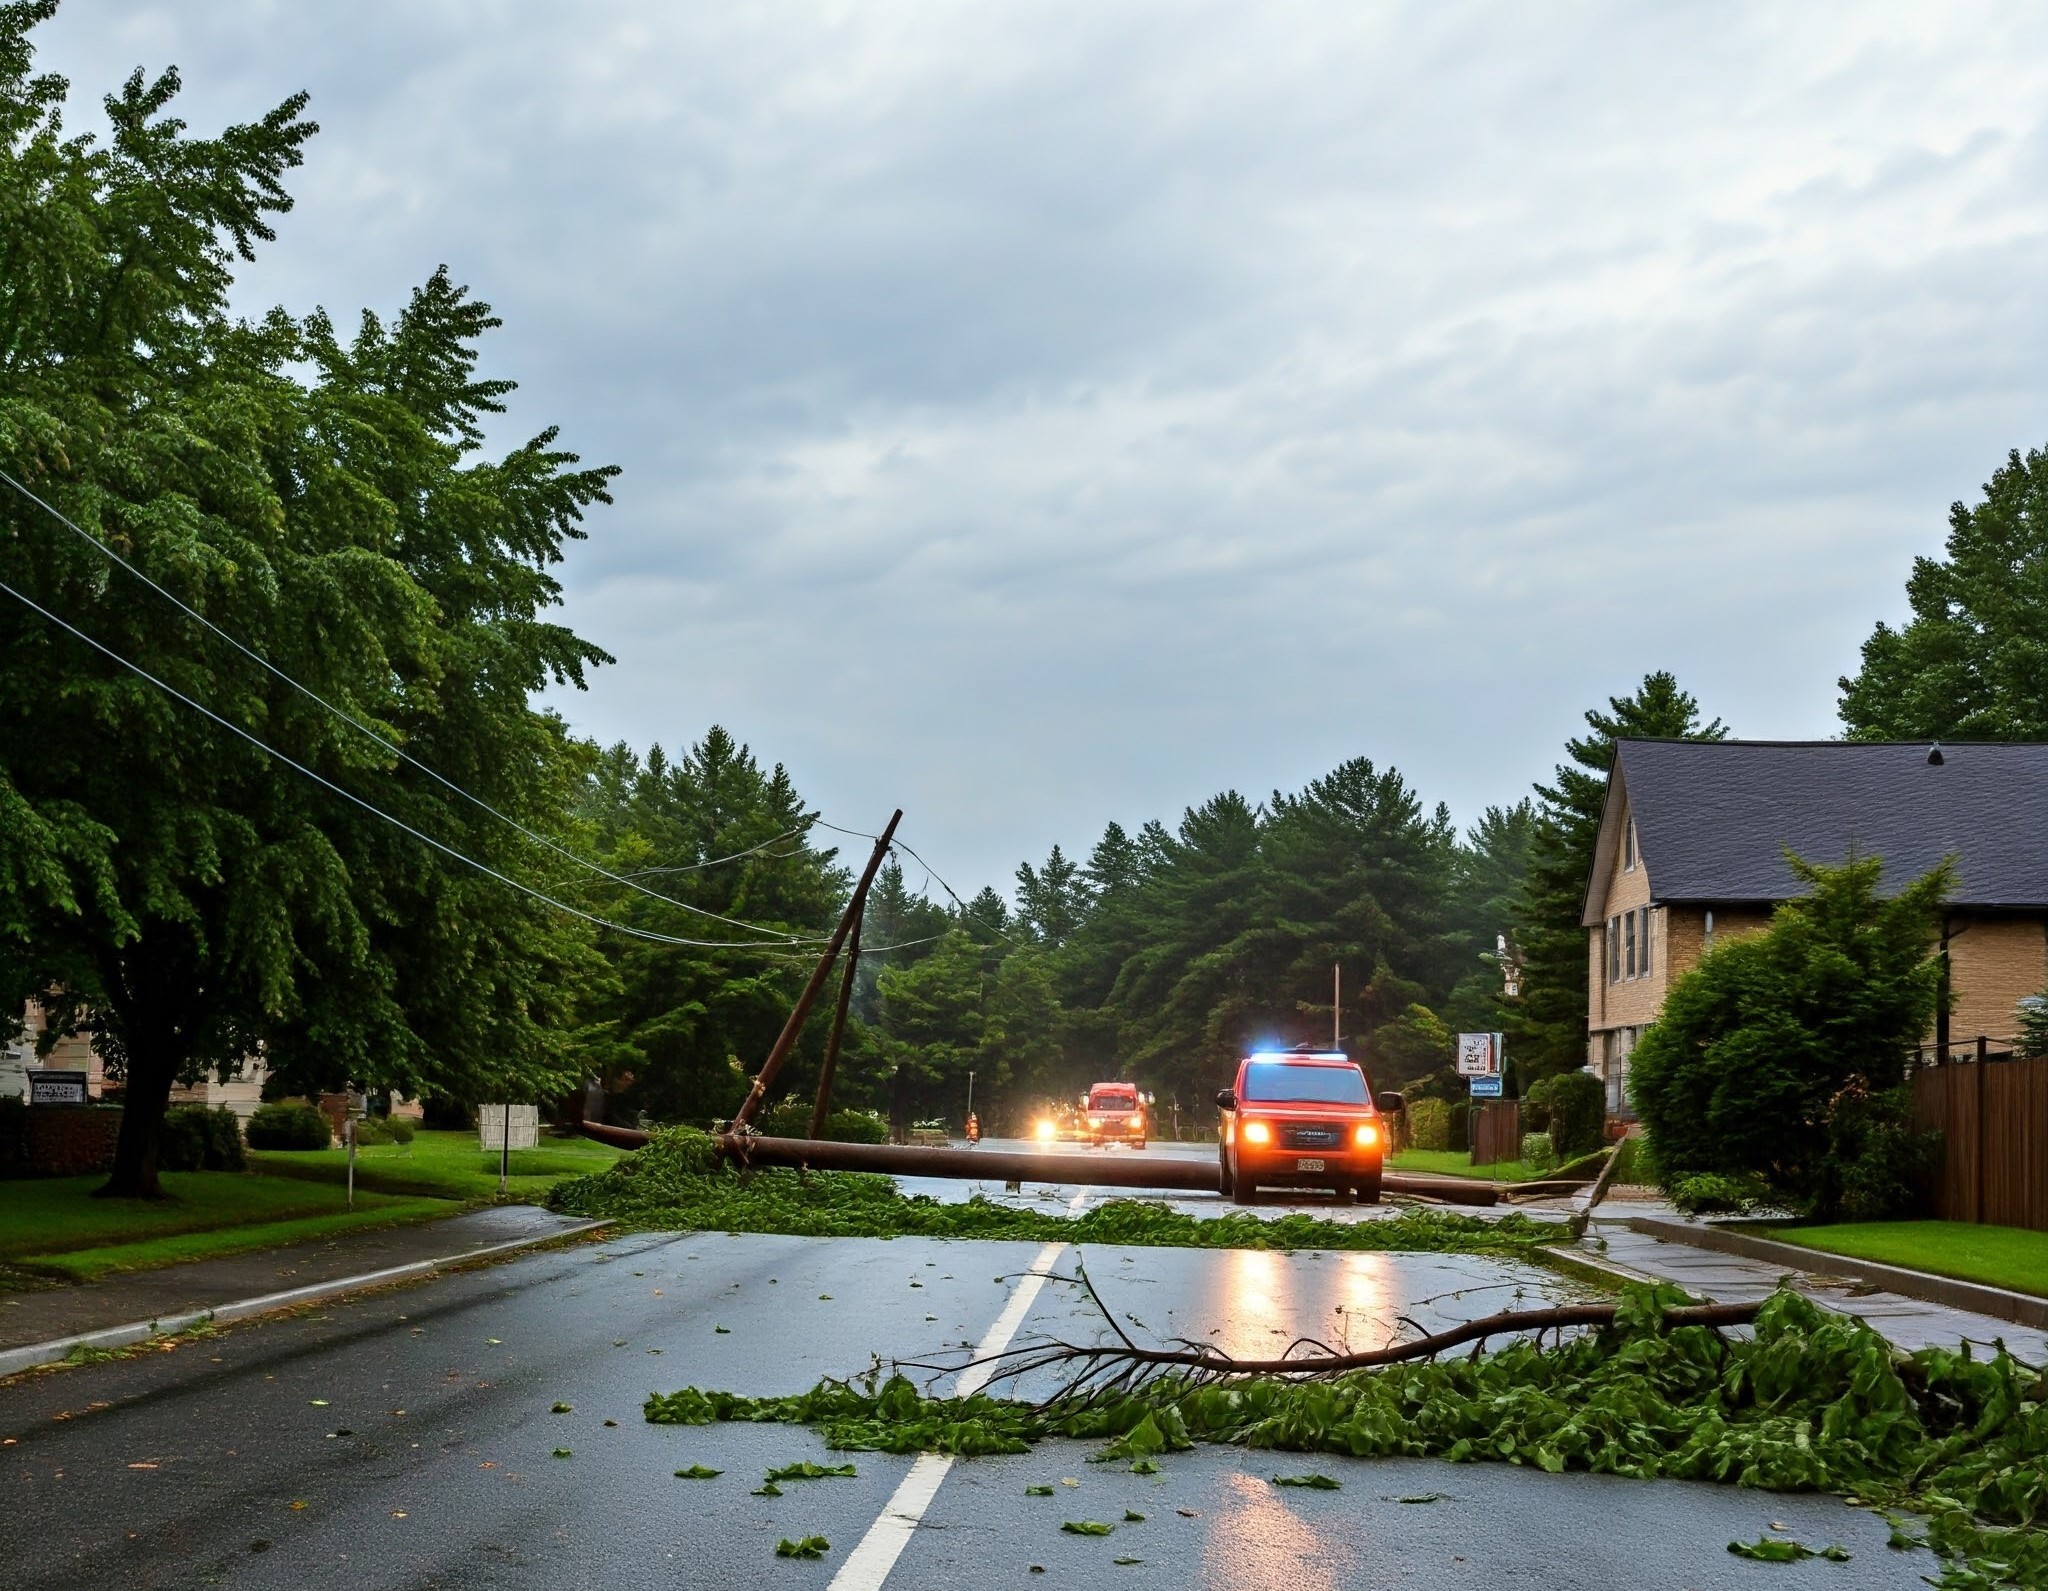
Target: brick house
(1692, 848)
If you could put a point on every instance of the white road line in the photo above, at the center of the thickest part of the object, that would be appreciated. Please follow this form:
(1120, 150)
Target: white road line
(871, 1561)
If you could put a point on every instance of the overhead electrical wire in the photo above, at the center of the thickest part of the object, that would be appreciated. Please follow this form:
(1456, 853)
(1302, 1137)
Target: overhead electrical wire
(930, 872)
(378, 736)
(774, 945)
(719, 861)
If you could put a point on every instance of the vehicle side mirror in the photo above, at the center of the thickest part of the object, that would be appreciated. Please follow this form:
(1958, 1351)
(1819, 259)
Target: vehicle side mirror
(1226, 1099)
(1390, 1101)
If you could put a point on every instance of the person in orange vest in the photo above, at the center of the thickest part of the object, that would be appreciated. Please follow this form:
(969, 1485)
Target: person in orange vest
(973, 1128)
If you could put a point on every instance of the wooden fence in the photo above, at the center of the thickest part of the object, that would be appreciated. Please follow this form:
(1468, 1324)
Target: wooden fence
(1993, 1121)
(1496, 1129)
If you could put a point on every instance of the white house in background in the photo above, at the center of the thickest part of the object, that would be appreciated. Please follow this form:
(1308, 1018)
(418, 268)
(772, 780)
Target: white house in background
(241, 1093)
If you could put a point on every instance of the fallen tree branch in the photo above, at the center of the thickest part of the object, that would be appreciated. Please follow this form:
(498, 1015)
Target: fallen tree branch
(1099, 1370)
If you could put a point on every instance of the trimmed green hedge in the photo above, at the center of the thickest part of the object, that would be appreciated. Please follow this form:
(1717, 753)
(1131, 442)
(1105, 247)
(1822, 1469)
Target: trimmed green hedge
(288, 1127)
(197, 1139)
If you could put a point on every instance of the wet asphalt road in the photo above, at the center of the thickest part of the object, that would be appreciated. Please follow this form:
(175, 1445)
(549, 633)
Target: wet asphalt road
(405, 1439)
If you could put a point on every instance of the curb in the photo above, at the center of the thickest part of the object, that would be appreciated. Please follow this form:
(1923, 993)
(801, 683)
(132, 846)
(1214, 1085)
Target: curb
(15, 1360)
(1978, 1298)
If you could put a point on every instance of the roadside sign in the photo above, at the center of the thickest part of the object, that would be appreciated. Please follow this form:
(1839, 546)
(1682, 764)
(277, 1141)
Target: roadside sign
(56, 1088)
(1479, 1054)
(1485, 1087)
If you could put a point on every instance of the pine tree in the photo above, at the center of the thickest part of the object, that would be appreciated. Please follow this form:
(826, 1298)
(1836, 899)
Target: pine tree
(1972, 663)
(1546, 1027)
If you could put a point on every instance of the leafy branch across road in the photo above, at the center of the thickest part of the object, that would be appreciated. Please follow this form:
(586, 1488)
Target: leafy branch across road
(1812, 1401)
(678, 1182)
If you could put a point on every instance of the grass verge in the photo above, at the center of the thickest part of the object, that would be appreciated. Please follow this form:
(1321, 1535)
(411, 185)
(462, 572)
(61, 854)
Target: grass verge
(1812, 1401)
(87, 1265)
(678, 1182)
(1999, 1256)
(59, 1215)
(444, 1165)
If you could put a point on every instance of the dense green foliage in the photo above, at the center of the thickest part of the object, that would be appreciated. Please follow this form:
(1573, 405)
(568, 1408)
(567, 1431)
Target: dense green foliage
(1572, 1108)
(1972, 662)
(323, 500)
(678, 1182)
(1546, 1026)
(284, 1126)
(1814, 1401)
(677, 1029)
(202, 1140)
(1784, 1053)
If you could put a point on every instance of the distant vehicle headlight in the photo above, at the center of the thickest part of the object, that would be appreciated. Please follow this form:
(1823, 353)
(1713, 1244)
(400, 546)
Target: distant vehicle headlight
(1257, 1132)
(1366, 1135)
(1047, 1132)
(1095, 1121)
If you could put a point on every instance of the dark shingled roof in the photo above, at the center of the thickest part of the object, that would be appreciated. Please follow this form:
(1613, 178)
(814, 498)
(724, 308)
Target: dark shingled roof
(1714, 818)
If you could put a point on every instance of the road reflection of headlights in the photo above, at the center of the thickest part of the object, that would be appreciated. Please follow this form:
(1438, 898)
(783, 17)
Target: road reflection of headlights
(1257, 1132)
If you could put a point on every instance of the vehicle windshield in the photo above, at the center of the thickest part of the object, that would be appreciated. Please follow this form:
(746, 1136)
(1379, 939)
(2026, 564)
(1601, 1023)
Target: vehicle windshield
(1113, 1099)
(1276, 1082)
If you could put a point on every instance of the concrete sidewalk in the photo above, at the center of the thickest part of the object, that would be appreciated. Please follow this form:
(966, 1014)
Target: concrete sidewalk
(69, 1311)
(1909, 1323)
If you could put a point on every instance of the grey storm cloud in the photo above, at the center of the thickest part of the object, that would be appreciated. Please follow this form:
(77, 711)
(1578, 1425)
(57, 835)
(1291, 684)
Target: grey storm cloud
(1036, 414)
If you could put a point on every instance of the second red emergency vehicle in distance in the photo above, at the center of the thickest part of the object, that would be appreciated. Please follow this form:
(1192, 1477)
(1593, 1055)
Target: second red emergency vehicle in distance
(1114, 1113)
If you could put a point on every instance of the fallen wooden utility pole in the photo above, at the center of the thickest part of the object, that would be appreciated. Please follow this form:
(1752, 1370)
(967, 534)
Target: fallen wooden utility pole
(786, 1041)
(1111, 1169)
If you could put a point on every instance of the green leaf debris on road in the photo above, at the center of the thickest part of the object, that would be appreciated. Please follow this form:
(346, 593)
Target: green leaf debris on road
(678, 1181)
(807, 1547)
(1315, 1483)
(1782, 1549)
(1811, 1401)
(698, 1472)
(1086, 1527)
(805, 1470)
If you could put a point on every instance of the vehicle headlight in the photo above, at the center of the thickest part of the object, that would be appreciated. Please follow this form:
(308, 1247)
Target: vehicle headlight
(1257, 1132)
(1047, 1131)
(1366, 1135)
(1095, 1121)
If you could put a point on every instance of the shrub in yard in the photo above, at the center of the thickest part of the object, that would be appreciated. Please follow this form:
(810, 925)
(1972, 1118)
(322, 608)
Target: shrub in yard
(402, 1128)
(792, 1119)
(288, 1127)
(1538, 1152)
(1578, 1112)
(1429, 1124)
(1709, 1193)
(197, 1139)
(1461, 1125)
(1782, 1054)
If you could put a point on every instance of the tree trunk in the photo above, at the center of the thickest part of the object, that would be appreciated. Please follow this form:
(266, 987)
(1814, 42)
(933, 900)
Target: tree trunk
(152, 1069)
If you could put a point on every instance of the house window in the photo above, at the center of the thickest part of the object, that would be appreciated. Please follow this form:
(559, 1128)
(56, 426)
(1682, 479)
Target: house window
(1643, 941)
(1614, 950)
(1628, 846)
(1628, 935)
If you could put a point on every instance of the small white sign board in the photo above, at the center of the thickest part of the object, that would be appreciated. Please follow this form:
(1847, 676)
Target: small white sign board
(525, 1126)
(1478, 1054)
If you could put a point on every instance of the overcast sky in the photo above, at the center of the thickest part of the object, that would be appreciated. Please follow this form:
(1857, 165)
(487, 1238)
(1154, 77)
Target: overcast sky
(1036, 414)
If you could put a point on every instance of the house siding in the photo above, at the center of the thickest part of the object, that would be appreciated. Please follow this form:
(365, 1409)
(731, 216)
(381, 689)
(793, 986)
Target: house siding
(1993, 964)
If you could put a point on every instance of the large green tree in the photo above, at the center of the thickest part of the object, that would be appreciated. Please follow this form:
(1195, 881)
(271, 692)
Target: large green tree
(325, 503)
(709, 841)
(1972, 662)
(1546, 1026)
(1783, 1054)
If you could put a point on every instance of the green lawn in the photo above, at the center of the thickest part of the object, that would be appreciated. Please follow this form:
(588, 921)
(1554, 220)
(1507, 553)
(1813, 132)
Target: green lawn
(1458, 1163)
(54, 1224)
(444, 1165)
(2002, 1256)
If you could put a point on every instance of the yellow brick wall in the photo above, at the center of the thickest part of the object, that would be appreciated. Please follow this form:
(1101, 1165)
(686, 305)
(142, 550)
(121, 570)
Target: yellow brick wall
(1993, 962)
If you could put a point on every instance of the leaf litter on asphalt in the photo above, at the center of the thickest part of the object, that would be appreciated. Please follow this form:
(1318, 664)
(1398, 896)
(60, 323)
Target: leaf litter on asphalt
(807, 1547)
(1782, 1549)
(1314, 1483)
(698, 1472)
(805, 1470)
(1086, 1527)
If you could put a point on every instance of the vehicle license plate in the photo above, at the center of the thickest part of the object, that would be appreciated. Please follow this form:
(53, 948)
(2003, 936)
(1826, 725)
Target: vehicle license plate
(1308, 1165)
